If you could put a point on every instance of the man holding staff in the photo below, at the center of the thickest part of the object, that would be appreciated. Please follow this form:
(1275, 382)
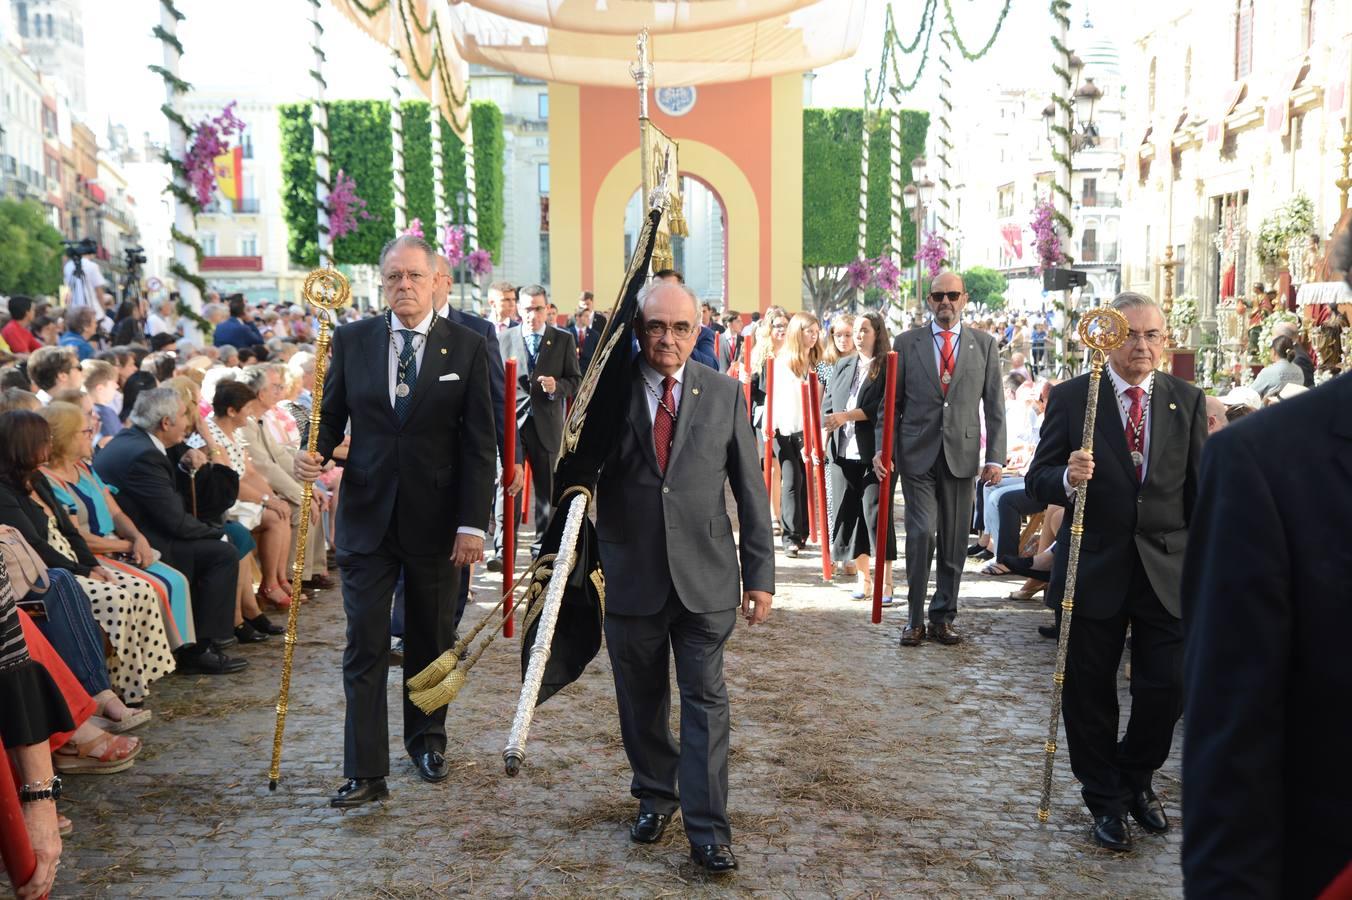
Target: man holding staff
(1149, 431)
(417, 495)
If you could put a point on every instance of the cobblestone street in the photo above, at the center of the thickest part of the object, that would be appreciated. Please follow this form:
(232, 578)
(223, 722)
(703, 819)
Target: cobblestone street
(858, 769)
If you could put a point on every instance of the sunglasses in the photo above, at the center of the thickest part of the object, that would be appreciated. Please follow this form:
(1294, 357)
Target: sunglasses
(938, 296)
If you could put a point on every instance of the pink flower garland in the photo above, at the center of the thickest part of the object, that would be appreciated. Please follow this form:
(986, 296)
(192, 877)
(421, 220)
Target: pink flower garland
(345, 207)
(453, 244)
(1048, 241)
(209, 140)
(414, 229)
(481, 263)
(933, 253)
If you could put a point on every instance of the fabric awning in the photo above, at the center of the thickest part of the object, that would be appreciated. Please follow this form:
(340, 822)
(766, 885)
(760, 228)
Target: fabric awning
(1278, 113)
(627, 17)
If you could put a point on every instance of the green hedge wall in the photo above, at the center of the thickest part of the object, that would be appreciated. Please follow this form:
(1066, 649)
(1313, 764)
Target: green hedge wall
(361, 145)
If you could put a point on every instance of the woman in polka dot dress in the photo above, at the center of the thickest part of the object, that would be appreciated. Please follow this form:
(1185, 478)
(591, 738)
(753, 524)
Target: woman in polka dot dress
(126, 609)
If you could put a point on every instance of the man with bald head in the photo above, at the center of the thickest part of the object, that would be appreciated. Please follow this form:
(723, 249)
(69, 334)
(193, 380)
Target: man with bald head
(947, 376)
(675, 576)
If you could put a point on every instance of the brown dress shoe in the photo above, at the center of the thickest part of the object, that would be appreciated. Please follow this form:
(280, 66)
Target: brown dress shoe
(912, 635)
(944, 634)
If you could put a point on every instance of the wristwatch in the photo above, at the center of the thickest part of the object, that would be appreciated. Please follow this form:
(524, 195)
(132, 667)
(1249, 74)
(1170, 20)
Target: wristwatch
(41, 790)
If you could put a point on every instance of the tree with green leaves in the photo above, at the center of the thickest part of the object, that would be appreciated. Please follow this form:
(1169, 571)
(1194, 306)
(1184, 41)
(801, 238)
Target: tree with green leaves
(983, 284)
(30, 250)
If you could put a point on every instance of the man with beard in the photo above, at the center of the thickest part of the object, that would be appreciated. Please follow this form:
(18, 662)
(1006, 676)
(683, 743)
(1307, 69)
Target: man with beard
(947, 374)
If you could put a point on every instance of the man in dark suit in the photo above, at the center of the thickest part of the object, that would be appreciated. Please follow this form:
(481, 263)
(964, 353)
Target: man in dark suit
(419, 476)
(704, 341)
(1268, 735)
(135, 462)
(1149, 432)
(672, 573)
(587, 334)
(547, 375)
(947, 376)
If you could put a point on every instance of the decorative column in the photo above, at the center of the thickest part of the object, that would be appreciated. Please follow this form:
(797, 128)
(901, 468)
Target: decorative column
(319, 130)
(897, 175)
(438, 170)
(397, 135)
(863, 199)
(187, 252)
(943, 145)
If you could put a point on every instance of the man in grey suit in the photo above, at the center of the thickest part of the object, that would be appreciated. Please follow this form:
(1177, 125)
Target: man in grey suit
(946, 376)
(672, 572)
(547, 376)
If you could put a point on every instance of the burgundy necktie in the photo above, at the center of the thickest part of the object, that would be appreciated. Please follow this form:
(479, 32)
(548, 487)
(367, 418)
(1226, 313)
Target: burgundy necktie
(946, 361)
(1135, 430)
(664, 424)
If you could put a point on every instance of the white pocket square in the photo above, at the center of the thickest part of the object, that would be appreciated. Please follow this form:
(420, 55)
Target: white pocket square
(449, 376)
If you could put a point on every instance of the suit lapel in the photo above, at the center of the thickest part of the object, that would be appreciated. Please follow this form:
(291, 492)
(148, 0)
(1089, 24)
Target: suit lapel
(1163, 414)
(1108, 427)
(966, 351)
(691, 393)
(438, 340)
(840, 394)
(378, 349)
(923, 344)
(640, 421)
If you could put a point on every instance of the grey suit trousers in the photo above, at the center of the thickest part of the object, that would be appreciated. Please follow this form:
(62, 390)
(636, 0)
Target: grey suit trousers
(639, 658)
(938, 513)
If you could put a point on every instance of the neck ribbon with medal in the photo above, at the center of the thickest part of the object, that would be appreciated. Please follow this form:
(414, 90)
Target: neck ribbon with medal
(1137, 431)
(950, 361)
(401, 388)
(670, 411)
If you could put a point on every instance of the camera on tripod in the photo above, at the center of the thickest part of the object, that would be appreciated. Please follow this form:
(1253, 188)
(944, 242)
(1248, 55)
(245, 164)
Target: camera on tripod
(136, 256)
(77, 249)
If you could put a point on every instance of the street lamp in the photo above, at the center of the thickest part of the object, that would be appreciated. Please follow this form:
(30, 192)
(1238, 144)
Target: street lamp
(1086, 95)
(464, 243)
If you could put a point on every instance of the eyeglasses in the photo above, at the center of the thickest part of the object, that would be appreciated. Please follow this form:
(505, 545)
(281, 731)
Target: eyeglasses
(88, 431)
(1153, 338)
(777, 327)
(393, 279)
(536, 308)
(938, 296)
(679, 330)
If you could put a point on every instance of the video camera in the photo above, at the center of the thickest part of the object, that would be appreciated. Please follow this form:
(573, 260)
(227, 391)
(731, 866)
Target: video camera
(77, 249)
(136, 256)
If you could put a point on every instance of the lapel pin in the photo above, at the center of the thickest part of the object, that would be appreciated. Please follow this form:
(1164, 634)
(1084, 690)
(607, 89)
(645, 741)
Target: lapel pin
(1173, 406)
(695, 391)
(443, 351)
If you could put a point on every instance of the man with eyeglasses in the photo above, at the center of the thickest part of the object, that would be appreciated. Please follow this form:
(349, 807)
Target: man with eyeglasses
(675, 576)
(547, 376)
(948, 376)
(417, 494)
(1149, 433)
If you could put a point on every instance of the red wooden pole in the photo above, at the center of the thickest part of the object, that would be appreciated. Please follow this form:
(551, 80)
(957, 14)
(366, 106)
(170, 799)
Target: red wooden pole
(811, 483)
(746, 367)
(525, 496)
(884, 495)
(508, 510)
(769, 423)
(819, 470)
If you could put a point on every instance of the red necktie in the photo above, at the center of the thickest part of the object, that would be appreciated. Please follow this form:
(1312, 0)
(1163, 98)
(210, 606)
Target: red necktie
(664, 423)
(1135, 430)
(946, 361)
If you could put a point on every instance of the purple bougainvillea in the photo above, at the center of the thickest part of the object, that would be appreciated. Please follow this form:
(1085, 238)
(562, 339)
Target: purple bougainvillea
(933, 253)
(1048, 241)
(210, 139)
(345, 207)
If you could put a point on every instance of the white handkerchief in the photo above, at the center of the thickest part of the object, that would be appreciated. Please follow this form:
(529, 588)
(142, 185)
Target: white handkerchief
(449, 376)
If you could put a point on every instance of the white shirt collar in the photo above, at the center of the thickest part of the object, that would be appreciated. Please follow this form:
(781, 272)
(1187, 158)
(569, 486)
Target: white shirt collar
(159, 444)
(421, 328)
(1121, 384)
(654, 378)
(935, 328)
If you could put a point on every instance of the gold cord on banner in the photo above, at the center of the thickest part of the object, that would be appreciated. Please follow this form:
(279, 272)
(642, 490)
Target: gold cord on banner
(1101, 330)
(326, 290)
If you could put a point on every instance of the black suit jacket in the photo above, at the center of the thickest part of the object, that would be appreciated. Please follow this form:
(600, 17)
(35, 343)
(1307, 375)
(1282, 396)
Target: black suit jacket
(1121, 517)
(147, 492)
(435, 470)
(496, 374)
(557, 358)
(869, 401)
(657, 532)
(19, 511)
(1267, 750)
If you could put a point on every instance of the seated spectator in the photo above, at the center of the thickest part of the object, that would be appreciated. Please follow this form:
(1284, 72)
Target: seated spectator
(100, 383)
(16, 398)
(53, 369)
(17, 332)
(164, 343)
(247, 356)
(107, 531)
(15, 378)
(129, 322)
(47, 329)
(1005, 505)
(81, 325)
(137, 465)
(229, 356)
(127, 610)
(1281, 370)
(161, 364)
(238, 330)
(131, 391)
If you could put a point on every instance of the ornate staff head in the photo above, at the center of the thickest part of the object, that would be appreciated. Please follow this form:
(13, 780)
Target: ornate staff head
(327, 289)
(1103, 329)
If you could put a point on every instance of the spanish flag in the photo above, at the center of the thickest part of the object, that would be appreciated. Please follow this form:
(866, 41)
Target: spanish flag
(229, 177)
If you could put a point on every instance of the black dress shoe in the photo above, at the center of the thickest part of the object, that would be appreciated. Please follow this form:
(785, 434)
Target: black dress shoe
(494, 564)
(245, 633)
(262, 623)
(912, 635)
(357, 791)
(945, 634)
(209, 661)
(431, 766)
(1049, 631)
(1148, 812)
(225, 643)
(716, 859)
(648, 827)
(1112, 832)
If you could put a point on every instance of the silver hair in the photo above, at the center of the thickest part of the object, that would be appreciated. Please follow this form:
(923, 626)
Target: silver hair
(256, 376)
(652, 288)
(154, 406)
(408, 240)
(1132, 300)
(303, 363)
(533, 290)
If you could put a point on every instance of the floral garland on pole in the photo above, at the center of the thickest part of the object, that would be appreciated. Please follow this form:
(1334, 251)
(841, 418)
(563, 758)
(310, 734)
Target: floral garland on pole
(1046, 237)
(345, 207)
(480, 263)
(933, 253)
(414, 229)
(880, 272)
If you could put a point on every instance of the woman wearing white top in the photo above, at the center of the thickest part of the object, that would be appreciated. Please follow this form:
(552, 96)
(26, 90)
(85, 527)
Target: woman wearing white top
(795, 361)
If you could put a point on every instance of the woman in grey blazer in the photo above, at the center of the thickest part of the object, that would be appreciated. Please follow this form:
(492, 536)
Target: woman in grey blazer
(849, 412)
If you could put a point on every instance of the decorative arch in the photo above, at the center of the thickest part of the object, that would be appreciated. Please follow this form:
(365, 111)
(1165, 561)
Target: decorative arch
(722, 175)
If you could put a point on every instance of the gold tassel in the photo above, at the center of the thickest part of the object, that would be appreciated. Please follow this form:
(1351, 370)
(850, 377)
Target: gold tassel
(439, 694)
(676, 219)
(438, 669)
